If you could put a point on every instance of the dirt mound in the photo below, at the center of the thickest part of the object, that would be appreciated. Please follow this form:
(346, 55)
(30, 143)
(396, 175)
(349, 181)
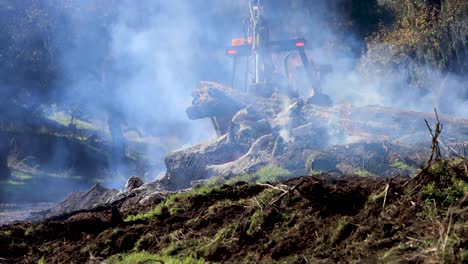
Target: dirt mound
(313, 219)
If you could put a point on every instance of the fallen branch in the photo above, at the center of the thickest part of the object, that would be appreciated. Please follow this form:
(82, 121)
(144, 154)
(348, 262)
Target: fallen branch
(447, 233)
(259, 205)
(273, 187)
(288, 191)
(450, 150)
(387, 188)
(435, 148)
(238, 223)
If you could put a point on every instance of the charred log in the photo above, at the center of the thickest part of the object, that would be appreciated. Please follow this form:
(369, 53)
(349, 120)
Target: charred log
(302, 137)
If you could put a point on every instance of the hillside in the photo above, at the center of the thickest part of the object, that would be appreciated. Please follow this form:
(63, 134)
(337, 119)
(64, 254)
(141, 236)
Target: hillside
(313, 219)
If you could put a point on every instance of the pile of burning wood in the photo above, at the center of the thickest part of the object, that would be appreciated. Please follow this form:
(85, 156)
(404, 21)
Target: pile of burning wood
(301, 137)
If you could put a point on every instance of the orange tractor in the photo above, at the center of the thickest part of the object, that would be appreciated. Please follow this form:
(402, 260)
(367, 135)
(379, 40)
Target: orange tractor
(258, 51)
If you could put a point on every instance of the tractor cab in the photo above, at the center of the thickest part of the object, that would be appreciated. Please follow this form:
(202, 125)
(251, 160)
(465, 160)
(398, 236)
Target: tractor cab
(268, 66)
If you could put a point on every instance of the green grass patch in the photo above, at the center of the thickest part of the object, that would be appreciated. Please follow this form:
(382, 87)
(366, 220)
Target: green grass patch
(176, 210)
(143, 240)
(26, 175)
(5, 233)
(221, 236)
(363, 173)
(28, 231)
(21, 175)
(341, 231)
(376, 196)
(446, 188)
(65, 119)
(315, 172)
(12, 182)
(41, 261)
(170, 204)
(183, 247)
(270, 173)
(444, 196)
(145, 257)
(263, 211)
(402, 167)
(464, 256)
(158, 210)
(394, 254)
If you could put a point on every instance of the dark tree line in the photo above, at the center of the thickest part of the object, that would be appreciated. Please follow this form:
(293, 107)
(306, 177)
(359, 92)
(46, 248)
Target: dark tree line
(428, 45)
(45, 46)
(59, 52)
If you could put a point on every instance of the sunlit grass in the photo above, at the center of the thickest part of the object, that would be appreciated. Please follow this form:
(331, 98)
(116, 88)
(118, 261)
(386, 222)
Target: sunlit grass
(20, 175)
(30, 175)
(64, 119)
(268, 173)
(12, 182)
(170, 201)
(144, 257)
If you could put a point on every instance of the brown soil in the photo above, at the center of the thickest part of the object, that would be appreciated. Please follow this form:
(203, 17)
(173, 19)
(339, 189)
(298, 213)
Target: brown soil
(323, 219)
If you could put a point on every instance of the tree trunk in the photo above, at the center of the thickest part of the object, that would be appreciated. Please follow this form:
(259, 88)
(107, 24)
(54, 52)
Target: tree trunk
(5, 172)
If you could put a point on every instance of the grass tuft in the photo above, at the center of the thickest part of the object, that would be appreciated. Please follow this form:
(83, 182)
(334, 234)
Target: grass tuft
(270, 173)
(145, 257)
(168, 204)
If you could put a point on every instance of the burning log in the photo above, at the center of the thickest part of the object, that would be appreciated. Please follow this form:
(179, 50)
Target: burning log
(294, 134)
(377, 122)
(221, 103)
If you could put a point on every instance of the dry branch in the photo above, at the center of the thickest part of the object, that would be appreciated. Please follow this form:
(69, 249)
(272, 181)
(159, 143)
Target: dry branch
(435, 148)
(272, 187)
(387, 188)
(288, 191)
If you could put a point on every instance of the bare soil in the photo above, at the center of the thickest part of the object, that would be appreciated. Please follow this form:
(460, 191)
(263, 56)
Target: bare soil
(321, 219)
